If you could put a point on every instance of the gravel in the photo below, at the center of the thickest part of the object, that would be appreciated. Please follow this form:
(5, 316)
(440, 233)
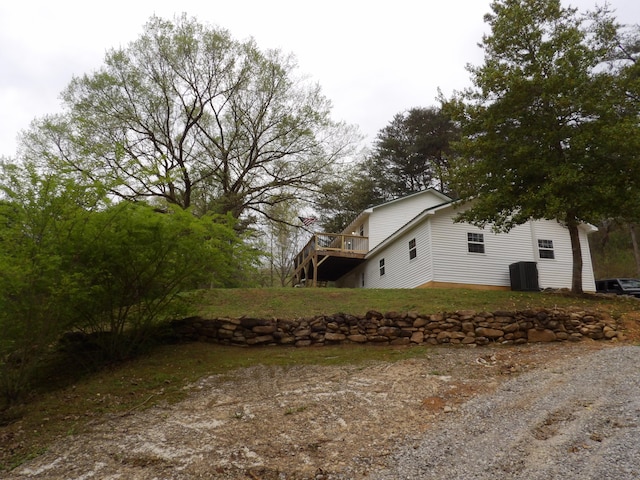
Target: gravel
(577, 419)
(537, 411)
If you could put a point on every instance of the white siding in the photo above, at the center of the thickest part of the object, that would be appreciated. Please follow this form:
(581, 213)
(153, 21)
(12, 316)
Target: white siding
(388, 218)
(354, 229)
(452, 262)
(443, 256)
(400, 270)
(373, 279)
(588, 279)
(557, 272)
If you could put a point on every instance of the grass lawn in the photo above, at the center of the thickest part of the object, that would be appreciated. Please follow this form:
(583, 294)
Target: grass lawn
(302, 302)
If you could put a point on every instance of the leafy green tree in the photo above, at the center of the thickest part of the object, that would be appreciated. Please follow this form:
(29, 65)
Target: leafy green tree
(72, 261)
(340, 201)
(37, 214)
(613, 250)
(547, 130)
(625, 62)
(188, 116)
(412, 152)
(135, 263)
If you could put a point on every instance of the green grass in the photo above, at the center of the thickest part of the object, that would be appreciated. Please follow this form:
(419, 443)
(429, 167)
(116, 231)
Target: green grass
(162, 374)
(290, 303)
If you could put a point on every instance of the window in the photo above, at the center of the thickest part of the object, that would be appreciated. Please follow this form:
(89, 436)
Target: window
(381, 266)
(412, 249)
(362, 279)
(545, 249)
(612, 285)
(476, 242)
(362, 230)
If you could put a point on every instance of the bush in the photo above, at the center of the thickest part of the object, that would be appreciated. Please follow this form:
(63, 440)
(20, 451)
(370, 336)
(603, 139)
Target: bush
(136, 262)
(35, 288)
(69, 261)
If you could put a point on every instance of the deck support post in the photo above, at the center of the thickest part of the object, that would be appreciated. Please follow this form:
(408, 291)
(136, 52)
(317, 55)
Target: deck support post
(326, 247)
(315, 270)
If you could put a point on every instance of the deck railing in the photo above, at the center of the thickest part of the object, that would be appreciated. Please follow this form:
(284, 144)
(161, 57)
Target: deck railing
(332, 243)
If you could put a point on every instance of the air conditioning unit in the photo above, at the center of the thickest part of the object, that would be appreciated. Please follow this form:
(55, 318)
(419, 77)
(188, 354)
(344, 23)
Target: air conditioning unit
(524, 277)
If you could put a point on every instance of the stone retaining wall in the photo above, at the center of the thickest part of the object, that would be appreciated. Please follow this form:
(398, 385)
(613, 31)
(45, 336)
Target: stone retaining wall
(462, 327)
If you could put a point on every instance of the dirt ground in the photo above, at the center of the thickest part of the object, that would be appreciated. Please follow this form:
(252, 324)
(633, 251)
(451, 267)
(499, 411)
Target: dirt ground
(305, 422)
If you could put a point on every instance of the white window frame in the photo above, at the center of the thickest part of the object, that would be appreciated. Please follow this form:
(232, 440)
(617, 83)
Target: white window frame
(545, 249)
(413, 251)
(475, 241)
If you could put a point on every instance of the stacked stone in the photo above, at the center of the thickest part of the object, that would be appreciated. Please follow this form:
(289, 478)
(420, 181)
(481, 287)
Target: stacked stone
(466, 327)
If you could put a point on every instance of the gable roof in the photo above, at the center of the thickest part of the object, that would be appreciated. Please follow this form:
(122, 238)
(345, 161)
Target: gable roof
(365, 213)
(410, 224)
(587, 227)
(429, 191)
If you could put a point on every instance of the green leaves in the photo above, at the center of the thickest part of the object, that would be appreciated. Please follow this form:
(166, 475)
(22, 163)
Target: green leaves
(187, 115)
(545, 126)
(546, 115)
(71, 260)
(412, 152)
(135, 262)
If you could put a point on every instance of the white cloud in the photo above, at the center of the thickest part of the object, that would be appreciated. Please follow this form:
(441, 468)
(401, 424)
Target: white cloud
(372, 59)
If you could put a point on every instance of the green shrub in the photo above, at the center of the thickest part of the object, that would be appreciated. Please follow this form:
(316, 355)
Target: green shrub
(70, 261)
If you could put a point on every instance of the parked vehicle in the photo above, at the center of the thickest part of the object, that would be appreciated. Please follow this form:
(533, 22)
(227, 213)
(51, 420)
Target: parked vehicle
(619, 286)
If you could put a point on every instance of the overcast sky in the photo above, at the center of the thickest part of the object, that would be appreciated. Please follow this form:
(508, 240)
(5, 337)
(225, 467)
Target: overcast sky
(373, 59)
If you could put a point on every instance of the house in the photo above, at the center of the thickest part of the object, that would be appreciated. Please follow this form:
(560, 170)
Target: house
(413, 242)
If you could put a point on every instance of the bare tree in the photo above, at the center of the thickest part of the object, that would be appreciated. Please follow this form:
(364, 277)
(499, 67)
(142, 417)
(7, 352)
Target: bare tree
(188, 115)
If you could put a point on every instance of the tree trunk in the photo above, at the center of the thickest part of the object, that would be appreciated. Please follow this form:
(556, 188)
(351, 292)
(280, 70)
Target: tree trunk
(636, 250)
(576, 277)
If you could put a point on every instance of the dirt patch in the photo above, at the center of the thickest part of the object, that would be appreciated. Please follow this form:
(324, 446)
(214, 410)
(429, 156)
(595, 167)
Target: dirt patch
(293, 423)
(630, 323)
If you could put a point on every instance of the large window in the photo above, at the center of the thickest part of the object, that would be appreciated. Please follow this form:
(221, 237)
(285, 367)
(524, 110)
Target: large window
(381, 266)
(476, 242)
(545, 249)
(413, 253)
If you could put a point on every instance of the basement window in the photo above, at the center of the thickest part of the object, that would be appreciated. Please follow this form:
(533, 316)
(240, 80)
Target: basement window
(413, 253)
(545, 249)
(381, 266)
(475, 242)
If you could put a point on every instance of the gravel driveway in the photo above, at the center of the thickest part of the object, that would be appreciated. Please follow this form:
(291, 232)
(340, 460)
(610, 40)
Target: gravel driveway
(576, 420)
(541, 411)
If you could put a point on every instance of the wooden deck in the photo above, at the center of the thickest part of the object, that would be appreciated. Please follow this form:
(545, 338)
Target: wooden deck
(327, 257)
